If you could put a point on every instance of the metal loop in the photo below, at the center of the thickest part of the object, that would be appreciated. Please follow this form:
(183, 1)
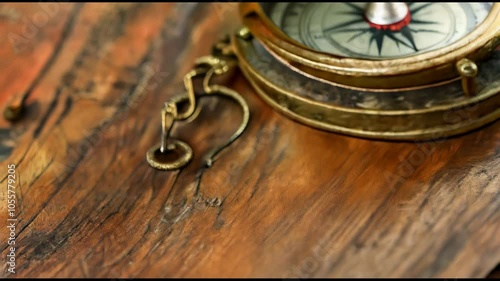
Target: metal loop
(153, 156)
(223, 91)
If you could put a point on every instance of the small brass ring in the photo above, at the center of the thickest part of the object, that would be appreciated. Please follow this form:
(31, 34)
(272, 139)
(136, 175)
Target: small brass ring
(183, 160)
(467, 68)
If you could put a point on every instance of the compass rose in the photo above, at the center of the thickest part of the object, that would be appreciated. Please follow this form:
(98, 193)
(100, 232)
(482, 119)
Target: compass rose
(406, 25)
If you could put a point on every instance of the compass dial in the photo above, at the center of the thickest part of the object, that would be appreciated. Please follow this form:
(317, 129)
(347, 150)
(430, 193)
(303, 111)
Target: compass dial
(342, 28)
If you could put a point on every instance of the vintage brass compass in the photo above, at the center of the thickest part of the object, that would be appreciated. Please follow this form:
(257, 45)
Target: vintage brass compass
(397, 71)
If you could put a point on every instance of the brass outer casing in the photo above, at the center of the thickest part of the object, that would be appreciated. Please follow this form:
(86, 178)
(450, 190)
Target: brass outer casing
(457, 115)
(419, 71)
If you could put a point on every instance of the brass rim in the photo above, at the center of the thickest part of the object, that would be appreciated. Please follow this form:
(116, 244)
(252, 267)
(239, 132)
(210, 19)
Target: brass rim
(418, 124)
(427, 68)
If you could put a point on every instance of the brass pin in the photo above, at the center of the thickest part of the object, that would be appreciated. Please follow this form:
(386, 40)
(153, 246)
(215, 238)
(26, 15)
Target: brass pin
(245, 34)
(468, 70)
(15, 107)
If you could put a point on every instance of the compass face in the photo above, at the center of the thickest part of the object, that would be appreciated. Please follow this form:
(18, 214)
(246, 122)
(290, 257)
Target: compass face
(342, 29)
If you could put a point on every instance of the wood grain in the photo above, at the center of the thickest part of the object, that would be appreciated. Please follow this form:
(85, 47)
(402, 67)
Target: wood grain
(284, 201)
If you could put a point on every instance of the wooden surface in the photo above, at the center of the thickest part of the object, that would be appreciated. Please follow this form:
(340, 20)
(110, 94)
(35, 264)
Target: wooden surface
(284, 201)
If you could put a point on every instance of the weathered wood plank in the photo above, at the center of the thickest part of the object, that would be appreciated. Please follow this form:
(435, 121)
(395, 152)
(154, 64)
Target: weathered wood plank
(284, 201)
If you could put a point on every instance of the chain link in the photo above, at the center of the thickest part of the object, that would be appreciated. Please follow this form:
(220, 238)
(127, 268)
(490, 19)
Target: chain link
(208, 67)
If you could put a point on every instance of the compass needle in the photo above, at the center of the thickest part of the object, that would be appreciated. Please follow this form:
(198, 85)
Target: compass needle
(379, 38)
(406, 32)
(414, 21)
(357, 35)
(397, 40)
(426, 30)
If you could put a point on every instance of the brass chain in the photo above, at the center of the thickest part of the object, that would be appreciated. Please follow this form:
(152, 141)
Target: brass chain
(219, 63)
